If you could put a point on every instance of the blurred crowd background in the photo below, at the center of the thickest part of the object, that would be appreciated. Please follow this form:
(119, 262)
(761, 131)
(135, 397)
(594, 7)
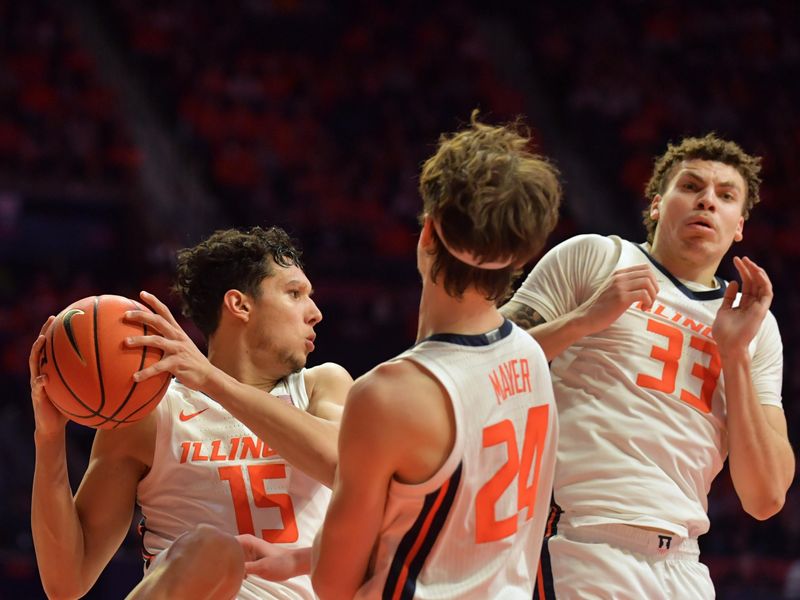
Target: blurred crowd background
(132, 128)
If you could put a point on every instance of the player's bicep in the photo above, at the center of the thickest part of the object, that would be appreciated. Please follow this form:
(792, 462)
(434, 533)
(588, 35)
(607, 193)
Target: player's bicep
(522, 314)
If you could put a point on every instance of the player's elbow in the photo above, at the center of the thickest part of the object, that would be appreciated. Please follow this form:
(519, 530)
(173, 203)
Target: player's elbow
(327, 588)
(765, 506)
(322, 588)
(60, 589)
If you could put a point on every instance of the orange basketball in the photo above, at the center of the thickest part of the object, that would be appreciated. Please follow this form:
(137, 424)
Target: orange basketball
(90, 369)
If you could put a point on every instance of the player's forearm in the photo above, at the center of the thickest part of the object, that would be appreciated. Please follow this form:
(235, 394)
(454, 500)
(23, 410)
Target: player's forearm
(336, 574)
(354, 514)
(56, 528)
(556, 336)
(307, 442)
(761, 458)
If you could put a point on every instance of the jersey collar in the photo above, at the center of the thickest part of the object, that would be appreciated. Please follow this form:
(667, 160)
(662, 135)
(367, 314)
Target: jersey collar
(689, 293)
(480, 339)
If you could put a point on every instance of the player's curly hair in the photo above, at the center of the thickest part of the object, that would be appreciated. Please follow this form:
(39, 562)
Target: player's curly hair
(492, 197)
(708, 147)
(230, 259)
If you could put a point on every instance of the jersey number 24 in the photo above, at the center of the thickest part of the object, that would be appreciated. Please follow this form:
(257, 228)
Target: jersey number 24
(519, 467)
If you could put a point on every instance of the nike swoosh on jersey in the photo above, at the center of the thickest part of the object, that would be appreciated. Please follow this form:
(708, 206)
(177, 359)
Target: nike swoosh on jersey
(184, 417)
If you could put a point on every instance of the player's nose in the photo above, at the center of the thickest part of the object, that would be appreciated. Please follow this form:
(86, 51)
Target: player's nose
(314, 313)
(707, 199)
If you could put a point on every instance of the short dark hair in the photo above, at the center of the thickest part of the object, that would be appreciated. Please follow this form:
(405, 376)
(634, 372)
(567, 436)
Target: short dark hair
(708, 147)
(492, 197)
(229, 259)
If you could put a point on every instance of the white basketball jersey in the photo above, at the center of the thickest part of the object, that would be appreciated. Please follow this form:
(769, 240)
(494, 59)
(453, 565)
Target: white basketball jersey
(641, 404)
(474, 529)
(208, 467)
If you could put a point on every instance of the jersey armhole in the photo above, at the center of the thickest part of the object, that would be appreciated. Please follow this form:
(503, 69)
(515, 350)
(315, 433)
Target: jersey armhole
(453, 459)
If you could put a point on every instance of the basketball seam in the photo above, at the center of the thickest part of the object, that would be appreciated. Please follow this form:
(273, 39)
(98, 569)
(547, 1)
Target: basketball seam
(92, 412)
(97, 360)
(122, 404)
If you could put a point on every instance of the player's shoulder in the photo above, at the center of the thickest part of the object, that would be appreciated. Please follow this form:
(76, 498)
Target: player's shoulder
(328, 373)
(383, 378)
(377, 390)
(398, 405)
(594, 243)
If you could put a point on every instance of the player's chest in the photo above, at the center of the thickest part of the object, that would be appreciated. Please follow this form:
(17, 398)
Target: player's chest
(669, 350)
(205, 434)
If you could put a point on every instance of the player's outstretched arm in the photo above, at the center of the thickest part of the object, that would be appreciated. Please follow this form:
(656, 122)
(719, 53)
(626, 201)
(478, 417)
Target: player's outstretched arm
(306, 439)
(622, 288)
(761, 457)
(75, 537)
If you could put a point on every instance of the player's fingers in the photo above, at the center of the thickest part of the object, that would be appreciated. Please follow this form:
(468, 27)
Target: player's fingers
(651, 289)
(46, 325)
(162, 366)
(247, 541)
(642, 268)
(38, 392)
(249, 548)
(744, 274)
(730, 294)
(259, 567)
(152, 341)
(33, 358)
(641, 282)
(644, 296)
(38, 385)
(761, 282)
(153, 320)
(158, 306)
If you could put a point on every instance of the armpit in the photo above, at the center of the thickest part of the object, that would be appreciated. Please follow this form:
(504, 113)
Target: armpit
(521, 314)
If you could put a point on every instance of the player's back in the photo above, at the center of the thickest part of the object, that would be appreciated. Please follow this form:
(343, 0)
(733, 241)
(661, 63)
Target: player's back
(474, 529)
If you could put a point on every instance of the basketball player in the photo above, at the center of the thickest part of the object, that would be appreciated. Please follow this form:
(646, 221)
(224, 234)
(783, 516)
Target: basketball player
(243, 442)
(446, 452)
(660, 369)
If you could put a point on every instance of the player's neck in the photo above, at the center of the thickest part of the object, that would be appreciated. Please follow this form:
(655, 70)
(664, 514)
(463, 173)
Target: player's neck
(440, 313)
(233, 358)
(685, 266)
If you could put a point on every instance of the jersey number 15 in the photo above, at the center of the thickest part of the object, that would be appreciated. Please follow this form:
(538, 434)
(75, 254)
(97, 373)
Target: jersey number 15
(257, 475)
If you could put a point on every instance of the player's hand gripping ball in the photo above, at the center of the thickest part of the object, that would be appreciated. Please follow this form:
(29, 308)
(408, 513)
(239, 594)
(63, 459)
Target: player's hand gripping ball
(90, 369)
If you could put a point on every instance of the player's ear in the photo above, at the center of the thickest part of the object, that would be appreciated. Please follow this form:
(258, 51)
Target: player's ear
(426, 235)
(237, 304)
(655, 207)
(738, 236)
